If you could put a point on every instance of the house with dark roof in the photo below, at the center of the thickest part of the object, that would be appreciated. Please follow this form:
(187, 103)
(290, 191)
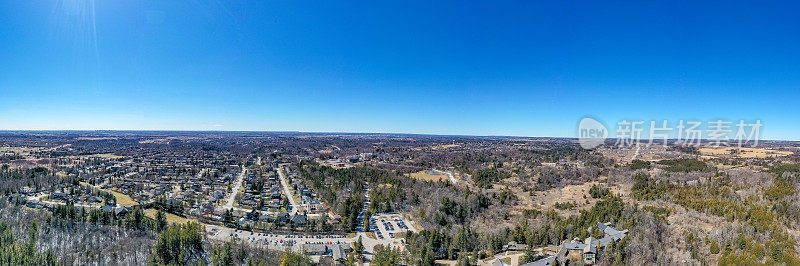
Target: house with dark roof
(281, 217)
(591, 247)
(121, 211)
(59, 196)
(107, 208)
(266, 218)
(275, 195)
(514, 246)
(95, 200)
(299, 219)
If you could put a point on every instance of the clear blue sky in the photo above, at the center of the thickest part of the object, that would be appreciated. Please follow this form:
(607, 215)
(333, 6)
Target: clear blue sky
(527, 68)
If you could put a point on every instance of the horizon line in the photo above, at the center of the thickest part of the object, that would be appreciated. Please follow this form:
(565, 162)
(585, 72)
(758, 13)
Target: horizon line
(331, 132)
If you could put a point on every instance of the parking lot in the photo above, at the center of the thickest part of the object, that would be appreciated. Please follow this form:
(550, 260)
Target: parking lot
(387, 225)
(274, 241)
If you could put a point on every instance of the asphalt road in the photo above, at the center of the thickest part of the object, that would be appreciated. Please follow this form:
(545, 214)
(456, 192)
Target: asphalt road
(287, 191)
(237, 185)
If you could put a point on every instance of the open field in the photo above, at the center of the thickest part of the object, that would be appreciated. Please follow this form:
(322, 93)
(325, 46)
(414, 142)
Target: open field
(109, 155)
(641, 152)
(427, 176)
(578, 194)
(742, 152)
(444, 147)
(546, 200)
(122, 199)
(171, 218)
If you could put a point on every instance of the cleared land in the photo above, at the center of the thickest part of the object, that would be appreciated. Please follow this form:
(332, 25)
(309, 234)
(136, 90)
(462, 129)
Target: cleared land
(109, 155)
(122, 199)
(171, 218)
(428, 175)
(742, 152)
(576, 194)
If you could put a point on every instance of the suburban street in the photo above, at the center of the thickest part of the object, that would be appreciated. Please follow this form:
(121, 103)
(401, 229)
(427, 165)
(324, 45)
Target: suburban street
(291, 242)
(236, 187)
(287, 191)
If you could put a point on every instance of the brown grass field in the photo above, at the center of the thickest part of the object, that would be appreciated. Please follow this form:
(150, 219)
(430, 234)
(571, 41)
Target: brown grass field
(741, 152)
(423, 175)
(122, 199)
(171, 218)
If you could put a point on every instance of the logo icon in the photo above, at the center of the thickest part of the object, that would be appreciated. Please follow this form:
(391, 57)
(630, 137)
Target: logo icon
(591, 133)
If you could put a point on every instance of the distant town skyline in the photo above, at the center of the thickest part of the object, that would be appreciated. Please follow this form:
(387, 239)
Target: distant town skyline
(444, 68)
